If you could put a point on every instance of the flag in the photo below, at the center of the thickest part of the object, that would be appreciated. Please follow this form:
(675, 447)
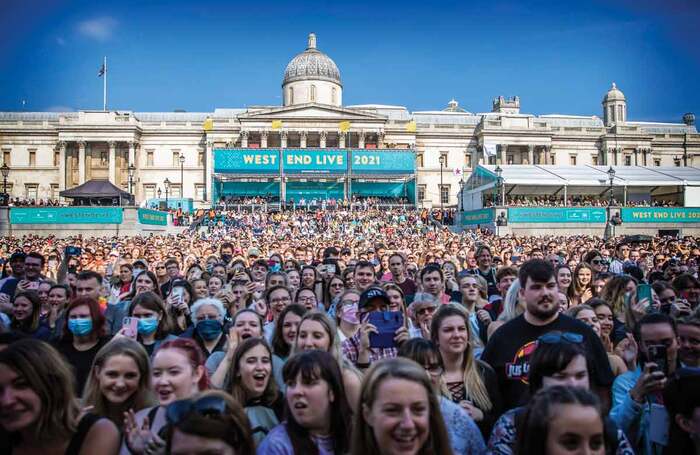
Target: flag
(411, 126)
(208, 124)
(490, 149)
(103, 70)
(344, 126)
(276, 124)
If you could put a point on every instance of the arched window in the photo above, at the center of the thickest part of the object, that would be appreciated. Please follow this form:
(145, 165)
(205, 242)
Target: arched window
(313, 93)
(612, 113)
(291, 95)
(619, 114)
(334, 95)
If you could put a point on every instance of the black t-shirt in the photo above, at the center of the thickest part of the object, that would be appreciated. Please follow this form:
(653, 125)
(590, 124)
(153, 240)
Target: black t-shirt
(81, 361)
(490, 278)
(408, 287)
(510, 347)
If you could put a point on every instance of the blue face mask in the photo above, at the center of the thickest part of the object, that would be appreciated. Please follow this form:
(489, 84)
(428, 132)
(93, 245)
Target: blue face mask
(209, 329)
(80, 326)
(147, 326)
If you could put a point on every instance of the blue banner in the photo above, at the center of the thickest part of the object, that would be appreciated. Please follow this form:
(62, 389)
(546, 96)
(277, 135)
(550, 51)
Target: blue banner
(660, 214)
(299, 161)
(246, 161)
(557, 215)
(66, 215)
(153, 217)
(474, 217)
(383, 162)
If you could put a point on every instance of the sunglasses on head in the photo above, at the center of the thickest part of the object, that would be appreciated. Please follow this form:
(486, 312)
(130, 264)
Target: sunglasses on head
(560, 337)
(209, 407)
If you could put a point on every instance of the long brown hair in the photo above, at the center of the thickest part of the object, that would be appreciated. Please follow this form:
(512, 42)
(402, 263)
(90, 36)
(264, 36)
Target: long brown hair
(151, 301)
(234, 383)
(34, 319)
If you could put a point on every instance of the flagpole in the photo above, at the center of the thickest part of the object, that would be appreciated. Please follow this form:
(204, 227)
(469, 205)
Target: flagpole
(104, 88)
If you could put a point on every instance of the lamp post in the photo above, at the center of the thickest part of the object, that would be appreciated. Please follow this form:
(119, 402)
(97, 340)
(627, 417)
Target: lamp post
(610, 227)
(499, 184)
(5, 169)
(166, 183)
(611, 178)
(131, 169)
(182, 175)
(442, 165)
(461, 194)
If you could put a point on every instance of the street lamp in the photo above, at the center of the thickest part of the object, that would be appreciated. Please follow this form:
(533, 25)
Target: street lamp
(611, 178)
(159, 193)
(442, 165)
(182, 174)
(5, 169)
(131, 169)
(461, 194)
(499, 184)
(167, 191)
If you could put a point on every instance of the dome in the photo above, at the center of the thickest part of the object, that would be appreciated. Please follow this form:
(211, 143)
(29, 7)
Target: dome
(311, 64)
(614, 94)
(453, 106)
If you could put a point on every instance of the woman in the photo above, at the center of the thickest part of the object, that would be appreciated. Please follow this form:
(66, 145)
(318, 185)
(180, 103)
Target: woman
(596, 261)
(309, 277)
(474, 291)
(471, 383)
(26, 316)
(208, 325)
(154, 322)
(122, 286)
(317, 331)
(583, 276)
(586, 314)
(214, 285)
(397, 301)
(465, 437)
(178, 304)
(331, 290)
(286, 330)
(211, 422)
(318, 413)
(245, 324)
(43, 291)
(119, 380)
(145, 282)
(346, 315)
(59, 296)
(199, 288)
(250, 383)
(616, 292)
(563, 274)
(512, 308)
(35, 379)
(83, 337)
(178, 373)
(306, 297)
(194, 272)
(293, 280)
(559, 359)
(397, 398)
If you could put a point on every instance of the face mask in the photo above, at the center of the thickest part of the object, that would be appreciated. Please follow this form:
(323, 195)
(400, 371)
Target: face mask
(350, 314)
(226, 258)
(209, 329)
(275, 267)
(80, 326)
(147, 326)
(137, 271)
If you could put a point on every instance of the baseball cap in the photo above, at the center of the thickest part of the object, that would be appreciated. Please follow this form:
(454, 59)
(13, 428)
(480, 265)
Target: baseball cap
(255, 252)
(371, 294)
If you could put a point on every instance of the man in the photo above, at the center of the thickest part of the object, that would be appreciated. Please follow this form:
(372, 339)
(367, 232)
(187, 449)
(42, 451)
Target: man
(364, 275)
(484, 261)
(510, 346)
(397, 266)
(622, 254)
(9, 285)
(277, 298)
(637, 394)
(33, 265)
(226, 252)
(504, 279)
(689, 341)
(88, 284)
(687, 287)
(172, 268)
(433, 282)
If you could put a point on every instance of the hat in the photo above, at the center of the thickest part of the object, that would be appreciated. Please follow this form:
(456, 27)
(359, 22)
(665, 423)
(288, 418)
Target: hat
(253, 252)
(371, 294)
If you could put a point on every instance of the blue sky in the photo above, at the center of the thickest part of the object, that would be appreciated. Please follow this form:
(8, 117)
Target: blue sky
(559, 57)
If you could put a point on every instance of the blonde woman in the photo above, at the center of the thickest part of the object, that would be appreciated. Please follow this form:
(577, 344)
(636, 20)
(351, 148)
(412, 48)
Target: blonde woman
(471, 383)
(512, 308)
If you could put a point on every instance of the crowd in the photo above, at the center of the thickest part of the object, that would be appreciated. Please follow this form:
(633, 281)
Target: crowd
(31, 202)
(572, 201)
(366, 332)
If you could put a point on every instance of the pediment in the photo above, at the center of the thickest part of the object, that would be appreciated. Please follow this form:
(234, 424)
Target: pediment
(310, 111)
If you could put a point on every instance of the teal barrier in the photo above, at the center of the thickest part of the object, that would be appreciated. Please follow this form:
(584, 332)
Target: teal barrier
(557, 215)
(247, 161)
(660, 214)
(474, 217)
(153, 217)
(381, 189)
(311, 190)
(186, 204)
(66, 215)
(323, 160)
(383, 161)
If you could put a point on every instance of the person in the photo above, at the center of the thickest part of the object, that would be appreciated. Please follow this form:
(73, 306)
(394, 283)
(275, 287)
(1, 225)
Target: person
(397, 266)
(682, 401)
(178, 373)
(563, 273)
(26, 316)
(474, 289)
(470, 382)
(563, 419)
(465, 436)
(586, 314)
(277, 298)
(211, 422)
(154, 322)
(319, 418)
(59, 296)
(637, 393)
(505, 276)
(114, 314)
(346, 314)
(250, 383)
(178, 304)
(512, 306)
(286, 329)
(509, 348)
(485, 268)
(39, 412)
(399, 412)
(119, 380)
(432, 281)
(172, 267)
(689, 340)
(208, 325)
(32, 266)
(83, 337)
(214, 285)
(583, 277)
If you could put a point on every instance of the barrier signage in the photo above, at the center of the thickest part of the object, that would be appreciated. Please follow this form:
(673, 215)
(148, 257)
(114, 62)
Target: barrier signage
(153, 217)
(660, 214)
(66, 215)
(324, 161)
(246, 161)
(480, 216)
(557, 215)
(383, 161)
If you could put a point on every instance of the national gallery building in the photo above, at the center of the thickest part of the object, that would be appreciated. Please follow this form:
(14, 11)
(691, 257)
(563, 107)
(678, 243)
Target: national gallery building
(313, 146)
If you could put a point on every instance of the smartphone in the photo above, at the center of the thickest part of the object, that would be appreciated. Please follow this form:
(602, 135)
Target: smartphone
(132, 327)
(73, 251)
(178, 292)
(657, 354)
(644, 292)
(387, 323)
(33, 285)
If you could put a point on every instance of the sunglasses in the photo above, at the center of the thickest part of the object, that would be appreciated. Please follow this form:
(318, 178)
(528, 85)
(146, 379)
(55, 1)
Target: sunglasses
(560, 337)
(598, 261)
(209, 407)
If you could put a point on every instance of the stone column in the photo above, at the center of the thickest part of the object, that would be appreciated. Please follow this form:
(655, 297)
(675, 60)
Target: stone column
(380, 139)
(341, 139)
(645, 155)
(112, 176)
(81, 162)
(263, 139)
(549, 159)
(302, 139)
(208, 171)
(530, 154)
(61, 146)
(283, 139)
(322, 139)
(617, 156)
(361, 139)
(501, 158)
(244, 139)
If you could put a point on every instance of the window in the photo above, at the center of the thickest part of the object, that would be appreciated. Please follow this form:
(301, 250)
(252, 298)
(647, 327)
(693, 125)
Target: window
(54, 191)
(553, 158)
(612, 113)
(419, 159)
(31, 191)
(620, 117)
(200, 158)
(443, 157)
(657, 162)
(444, 194)
(176, 158)
(149, 190)
(6, 157)
(509, 159)
(57, 158)
(175, 190)
(628, 160)
(149, 157)
(594, 160)
(104, 159)
(421, 192)
(334, 95)
(291, 95)
(313, 93)
(199, 191)
(468, 157)
(32, 157)
(572, 160)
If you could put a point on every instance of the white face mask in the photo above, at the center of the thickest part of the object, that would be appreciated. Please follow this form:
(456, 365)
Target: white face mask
(137, 271)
